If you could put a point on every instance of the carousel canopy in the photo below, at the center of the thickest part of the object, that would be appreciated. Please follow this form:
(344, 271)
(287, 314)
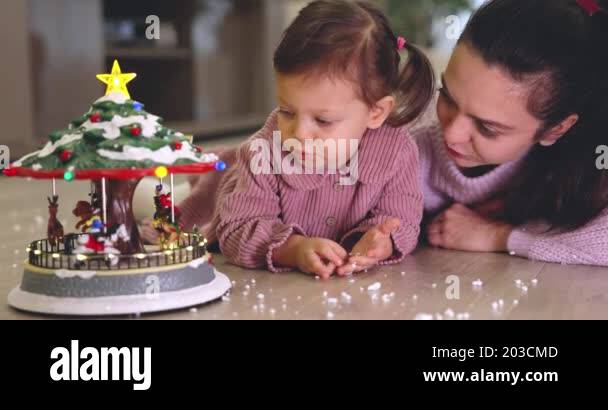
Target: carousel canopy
(115, 139)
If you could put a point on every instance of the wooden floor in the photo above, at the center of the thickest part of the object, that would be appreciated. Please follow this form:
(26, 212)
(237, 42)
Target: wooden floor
(415, 289)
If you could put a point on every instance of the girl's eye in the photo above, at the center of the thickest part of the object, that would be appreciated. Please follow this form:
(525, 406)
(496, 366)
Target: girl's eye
(323, 122)
(286, 113)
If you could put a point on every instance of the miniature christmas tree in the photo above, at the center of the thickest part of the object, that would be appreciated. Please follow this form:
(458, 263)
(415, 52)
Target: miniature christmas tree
(116, 142)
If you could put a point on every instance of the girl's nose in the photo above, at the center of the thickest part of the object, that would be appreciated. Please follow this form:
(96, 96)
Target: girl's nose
(302, 130)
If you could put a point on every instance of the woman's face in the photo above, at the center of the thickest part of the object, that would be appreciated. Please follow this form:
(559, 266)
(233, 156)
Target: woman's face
(483, 113)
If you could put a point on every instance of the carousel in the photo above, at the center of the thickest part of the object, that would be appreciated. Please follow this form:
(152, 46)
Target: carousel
(102, 267)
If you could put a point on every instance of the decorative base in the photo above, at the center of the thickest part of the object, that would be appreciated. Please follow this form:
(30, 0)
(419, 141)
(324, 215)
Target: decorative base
(118, 292)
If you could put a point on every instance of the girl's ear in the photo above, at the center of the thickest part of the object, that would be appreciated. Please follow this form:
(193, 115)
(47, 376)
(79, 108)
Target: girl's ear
(555, 133)
(380, 112)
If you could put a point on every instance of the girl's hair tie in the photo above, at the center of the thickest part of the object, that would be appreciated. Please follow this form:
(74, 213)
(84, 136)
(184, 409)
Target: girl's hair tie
(401, 42)
(590, 6)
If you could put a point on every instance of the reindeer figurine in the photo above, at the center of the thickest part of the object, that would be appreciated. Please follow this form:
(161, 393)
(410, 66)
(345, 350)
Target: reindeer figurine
(54, 229)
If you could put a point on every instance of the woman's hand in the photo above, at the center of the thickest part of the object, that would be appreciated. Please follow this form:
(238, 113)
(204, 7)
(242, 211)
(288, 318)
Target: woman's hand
(493, 209)
(462, 229)
(374, 247)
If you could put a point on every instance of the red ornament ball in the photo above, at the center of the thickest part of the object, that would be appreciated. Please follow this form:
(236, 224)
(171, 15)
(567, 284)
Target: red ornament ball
(136, 131)
(10, 172)
(95, 117)
(198, 149)
(177, 145)
(65, 155)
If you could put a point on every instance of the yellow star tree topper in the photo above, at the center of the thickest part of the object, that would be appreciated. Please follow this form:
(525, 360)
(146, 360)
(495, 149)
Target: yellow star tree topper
(117, 81)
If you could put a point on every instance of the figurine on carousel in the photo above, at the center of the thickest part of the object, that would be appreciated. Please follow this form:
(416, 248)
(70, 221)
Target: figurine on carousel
(55, 232)
(166, 220)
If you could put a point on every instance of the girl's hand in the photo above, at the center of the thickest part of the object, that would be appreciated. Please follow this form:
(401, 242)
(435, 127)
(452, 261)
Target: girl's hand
(374, 247)
(320, 257)
(462, 229)
(316, 256)
(148, 234)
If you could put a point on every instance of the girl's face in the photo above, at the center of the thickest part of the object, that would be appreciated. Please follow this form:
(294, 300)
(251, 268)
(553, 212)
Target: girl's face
(483, 113)
(322, 108)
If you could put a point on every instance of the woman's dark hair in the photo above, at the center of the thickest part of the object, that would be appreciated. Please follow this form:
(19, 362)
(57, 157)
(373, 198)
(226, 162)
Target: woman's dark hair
(561, 52)
(354, 41)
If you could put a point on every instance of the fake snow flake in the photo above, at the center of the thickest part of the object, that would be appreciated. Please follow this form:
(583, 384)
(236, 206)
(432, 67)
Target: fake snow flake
(478, 284)
(67, 274)
(346, 298)
(195, 264)
(449, 313)
(386, 299)
(330, 316)
(434, 286)
(423, 316)
(535, 282)
(375, 287)
(332, 303)
(518, 283)
(193, 310)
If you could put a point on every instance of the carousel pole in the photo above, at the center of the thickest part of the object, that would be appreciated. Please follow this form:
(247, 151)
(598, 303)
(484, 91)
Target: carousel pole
(172, 200)
(103, 205)
(54, 188)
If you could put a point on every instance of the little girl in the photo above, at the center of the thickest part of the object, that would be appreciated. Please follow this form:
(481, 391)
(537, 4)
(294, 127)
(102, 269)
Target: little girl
(339, 80)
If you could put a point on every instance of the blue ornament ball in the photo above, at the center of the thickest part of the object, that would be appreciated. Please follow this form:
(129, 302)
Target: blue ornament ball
(220, 166)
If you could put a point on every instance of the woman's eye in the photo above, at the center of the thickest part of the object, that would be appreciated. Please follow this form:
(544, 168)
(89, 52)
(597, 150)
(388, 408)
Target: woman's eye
(487, 132)
(445, 95)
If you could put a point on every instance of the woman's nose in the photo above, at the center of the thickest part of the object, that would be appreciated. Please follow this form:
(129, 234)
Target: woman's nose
(457, 130)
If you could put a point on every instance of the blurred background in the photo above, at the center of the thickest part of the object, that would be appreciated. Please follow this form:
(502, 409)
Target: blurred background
(209, 72)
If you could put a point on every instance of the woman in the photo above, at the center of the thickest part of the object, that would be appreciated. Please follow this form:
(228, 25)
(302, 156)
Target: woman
(520, 114)
(510, 165)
